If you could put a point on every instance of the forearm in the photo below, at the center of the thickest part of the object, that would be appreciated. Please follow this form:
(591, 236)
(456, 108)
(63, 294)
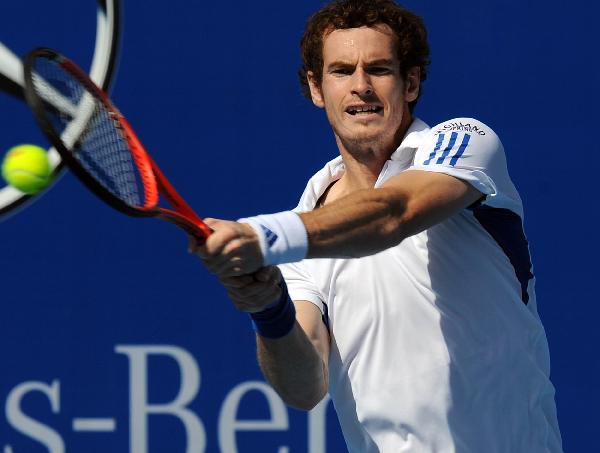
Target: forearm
(363, 223)
(371, 220)
(294, 368)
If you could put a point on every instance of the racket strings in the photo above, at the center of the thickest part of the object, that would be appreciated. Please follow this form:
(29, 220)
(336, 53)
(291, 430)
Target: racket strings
(89, 130)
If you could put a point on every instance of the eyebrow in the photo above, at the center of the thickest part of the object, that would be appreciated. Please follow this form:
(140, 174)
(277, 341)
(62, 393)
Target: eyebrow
(378, 62)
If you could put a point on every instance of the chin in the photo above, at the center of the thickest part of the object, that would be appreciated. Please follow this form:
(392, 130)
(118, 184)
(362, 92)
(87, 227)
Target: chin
(364, 141)
(370, 137)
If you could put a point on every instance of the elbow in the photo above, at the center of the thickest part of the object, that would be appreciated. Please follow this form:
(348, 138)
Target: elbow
(305, 397)
(394, 218)
(393, 229)
(391, 232)
(307, 407)
(402, 220)
(305, 402)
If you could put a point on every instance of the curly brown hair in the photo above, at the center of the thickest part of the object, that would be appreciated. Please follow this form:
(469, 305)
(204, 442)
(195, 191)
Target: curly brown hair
(412, 45)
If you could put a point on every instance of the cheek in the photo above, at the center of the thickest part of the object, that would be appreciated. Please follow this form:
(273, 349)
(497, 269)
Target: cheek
(332, 111)
(396, 110)
(396, 103)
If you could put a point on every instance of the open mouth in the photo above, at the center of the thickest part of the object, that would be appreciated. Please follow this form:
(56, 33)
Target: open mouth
(356, 110)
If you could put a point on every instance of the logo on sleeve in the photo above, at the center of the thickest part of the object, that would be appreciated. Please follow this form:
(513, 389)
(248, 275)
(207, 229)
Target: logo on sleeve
(460, 126)
(455, 149)
(270, 236)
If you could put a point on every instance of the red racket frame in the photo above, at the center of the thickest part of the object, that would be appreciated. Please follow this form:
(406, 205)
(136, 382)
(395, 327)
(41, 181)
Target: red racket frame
(153, 180)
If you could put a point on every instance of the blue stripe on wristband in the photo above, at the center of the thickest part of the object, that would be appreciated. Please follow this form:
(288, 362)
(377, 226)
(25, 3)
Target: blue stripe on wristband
(282, 236)
(278, 319)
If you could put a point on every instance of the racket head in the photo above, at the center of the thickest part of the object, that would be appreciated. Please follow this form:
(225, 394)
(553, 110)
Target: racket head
(102, 71)
(98, 144)
(89, 133)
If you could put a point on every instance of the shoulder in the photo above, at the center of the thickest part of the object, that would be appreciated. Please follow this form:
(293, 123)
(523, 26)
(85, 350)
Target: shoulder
(463, 124)
(465, 148)
(459, 138)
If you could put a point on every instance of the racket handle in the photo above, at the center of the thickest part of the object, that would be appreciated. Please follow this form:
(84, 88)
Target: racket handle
(193, 226)
(183, 216)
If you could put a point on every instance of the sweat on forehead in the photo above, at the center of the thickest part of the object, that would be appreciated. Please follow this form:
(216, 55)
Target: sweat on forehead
(368, 43)
(380, 27)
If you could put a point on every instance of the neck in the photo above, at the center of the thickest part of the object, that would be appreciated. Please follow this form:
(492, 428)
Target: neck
(365, 160)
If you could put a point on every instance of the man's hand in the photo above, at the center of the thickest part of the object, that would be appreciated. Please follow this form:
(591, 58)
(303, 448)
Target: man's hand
(232, 250)
(254, 293)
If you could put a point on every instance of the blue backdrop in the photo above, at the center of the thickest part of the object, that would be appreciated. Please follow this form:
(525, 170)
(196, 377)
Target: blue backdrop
(113, 338)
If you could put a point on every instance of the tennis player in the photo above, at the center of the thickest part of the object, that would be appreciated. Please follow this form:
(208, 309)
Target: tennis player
(406, 261)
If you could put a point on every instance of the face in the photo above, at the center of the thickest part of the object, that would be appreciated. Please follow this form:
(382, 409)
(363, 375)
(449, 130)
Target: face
(362, 90)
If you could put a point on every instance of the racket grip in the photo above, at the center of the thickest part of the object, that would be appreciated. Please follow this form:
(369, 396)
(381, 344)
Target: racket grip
(194, 227)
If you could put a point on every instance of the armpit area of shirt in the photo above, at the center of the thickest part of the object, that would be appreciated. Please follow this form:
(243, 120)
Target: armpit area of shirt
(477, 178)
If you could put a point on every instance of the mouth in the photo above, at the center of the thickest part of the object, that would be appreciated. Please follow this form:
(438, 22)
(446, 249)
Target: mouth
(363, 109)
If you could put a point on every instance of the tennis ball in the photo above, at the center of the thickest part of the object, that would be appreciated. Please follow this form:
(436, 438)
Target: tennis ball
(26, 167)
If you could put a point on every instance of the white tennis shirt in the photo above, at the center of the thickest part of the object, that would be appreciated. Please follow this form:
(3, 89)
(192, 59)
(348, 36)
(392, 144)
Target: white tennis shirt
(436, 343)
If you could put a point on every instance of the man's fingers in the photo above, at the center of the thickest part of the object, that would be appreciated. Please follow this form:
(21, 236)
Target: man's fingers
(237, 282)
(218, 240)
(268, 273)
(213, 223)
(231, 264)
(258, 301)
(253, 290)
(224, 266)
(192, 244)
(232, 250)
(232, 268)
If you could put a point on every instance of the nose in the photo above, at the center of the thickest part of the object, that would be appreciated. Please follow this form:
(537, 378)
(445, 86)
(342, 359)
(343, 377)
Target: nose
(361, 83)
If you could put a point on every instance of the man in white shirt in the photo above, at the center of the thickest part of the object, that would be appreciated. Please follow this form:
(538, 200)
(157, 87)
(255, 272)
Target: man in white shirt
(406, 261)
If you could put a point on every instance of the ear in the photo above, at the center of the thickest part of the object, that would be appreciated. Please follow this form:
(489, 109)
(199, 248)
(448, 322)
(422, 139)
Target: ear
(413, 84)
(315, 90)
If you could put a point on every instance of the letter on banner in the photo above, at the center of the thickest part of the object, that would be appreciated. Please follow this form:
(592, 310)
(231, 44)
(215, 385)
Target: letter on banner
(229, 424)
(140, 408)
(27, 425)
(317, 419)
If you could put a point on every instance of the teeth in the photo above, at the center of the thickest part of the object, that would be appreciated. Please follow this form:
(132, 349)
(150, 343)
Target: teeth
(362, 108)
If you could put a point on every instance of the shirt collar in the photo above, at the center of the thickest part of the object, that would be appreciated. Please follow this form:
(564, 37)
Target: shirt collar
(334, 169)
(412, 139)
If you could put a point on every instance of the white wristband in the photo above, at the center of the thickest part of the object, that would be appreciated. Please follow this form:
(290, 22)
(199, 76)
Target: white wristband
(282, 236)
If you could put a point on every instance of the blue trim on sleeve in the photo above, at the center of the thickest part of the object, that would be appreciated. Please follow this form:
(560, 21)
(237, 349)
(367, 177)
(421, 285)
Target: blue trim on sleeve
(438, 145)
(506, 227)
(451, 144)
(461, 150)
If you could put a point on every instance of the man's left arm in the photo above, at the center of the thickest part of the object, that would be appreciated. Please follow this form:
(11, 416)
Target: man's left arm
(360, 224)
(459, 162)
(372, 220)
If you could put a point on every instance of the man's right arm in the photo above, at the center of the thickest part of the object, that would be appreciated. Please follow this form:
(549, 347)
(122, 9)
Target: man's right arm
(296, 365)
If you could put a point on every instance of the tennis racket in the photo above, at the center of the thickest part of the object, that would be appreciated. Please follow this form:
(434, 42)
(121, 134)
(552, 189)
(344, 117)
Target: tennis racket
(102, 71)
(99, 145)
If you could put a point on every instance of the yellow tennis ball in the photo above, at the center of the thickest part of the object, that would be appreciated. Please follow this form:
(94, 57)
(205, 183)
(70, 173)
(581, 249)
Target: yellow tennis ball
(26, 168)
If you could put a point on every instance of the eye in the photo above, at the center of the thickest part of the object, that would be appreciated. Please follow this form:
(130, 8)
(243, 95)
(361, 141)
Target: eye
(379, 70)
(341, 71)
